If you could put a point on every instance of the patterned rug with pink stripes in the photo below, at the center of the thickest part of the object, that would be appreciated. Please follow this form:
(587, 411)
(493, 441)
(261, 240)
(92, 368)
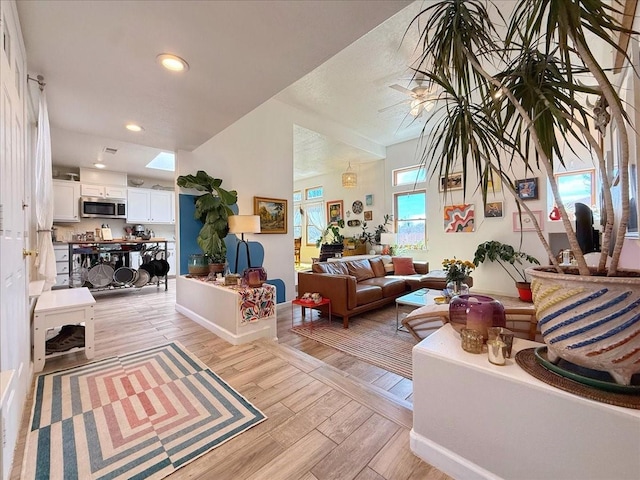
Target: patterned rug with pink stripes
(141, 415)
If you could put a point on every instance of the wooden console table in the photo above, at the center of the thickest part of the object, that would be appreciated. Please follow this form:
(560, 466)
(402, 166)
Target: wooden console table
(222, 310)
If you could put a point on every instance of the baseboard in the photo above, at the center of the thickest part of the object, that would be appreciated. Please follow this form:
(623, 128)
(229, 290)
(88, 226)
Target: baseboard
(447, 461)
(223, 332)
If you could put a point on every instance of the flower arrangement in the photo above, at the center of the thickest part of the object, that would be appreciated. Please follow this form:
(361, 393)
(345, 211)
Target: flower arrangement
(457, 270)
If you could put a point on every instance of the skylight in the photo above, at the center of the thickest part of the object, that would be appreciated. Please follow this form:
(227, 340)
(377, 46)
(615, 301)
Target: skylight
(163, 161)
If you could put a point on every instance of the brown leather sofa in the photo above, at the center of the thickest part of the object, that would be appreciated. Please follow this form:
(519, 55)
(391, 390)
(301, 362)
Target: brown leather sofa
(357, 286)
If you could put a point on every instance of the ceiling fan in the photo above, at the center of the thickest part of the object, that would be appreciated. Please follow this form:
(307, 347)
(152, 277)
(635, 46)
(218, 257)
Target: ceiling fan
(421, 98)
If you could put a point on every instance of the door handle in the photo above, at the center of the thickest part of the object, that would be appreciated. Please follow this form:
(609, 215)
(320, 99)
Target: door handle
(26, 253)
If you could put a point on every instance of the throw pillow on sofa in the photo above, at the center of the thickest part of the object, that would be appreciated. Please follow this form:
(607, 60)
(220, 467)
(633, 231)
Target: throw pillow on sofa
(377, 266)
(403, 266)
(361, 269)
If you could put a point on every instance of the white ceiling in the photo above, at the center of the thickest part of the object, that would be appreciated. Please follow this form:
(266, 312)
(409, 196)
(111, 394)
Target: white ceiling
(98, 60)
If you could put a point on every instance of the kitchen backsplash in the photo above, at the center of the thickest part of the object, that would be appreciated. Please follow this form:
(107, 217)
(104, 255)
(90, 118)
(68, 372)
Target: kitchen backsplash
(65, 231)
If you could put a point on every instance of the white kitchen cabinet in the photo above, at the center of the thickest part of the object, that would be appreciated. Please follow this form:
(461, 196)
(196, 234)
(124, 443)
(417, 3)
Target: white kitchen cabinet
(61, 252)
(66, 201)
(145, 205)
(160, 206)
(137, 205)
(103, 191)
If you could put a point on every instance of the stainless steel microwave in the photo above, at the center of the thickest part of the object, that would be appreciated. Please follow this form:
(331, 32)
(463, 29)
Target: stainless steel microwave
(95, 207)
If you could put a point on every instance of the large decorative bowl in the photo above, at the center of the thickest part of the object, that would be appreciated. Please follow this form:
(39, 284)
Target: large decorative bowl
(591, 321)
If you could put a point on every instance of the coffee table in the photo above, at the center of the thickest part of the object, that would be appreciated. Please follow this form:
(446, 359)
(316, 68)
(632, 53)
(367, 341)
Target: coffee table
(418, 298)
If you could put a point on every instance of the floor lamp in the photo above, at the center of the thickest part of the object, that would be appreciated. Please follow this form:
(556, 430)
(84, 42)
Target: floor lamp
(243, 224)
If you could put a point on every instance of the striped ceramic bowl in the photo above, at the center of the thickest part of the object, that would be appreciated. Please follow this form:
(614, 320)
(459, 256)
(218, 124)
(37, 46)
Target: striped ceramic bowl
(591, 321)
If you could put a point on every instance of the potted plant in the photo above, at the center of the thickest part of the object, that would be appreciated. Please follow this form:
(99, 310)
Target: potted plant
(507, 256)
(336, 237)
(374, 238)
(213, 209)
(518, 97)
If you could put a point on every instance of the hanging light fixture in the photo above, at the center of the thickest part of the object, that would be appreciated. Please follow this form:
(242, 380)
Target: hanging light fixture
(349, 178)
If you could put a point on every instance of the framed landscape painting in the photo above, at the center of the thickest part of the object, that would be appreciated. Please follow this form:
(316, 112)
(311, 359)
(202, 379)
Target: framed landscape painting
(273, 214)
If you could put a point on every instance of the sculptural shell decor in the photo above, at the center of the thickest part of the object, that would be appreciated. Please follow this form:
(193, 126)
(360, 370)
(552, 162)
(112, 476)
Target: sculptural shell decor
(591, 321)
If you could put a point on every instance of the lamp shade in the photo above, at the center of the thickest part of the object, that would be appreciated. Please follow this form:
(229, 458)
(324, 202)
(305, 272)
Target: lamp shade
(349, 178)
(387, 238)
(244, 224)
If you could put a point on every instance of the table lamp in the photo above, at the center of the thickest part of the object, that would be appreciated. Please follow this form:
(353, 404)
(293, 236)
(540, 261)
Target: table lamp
(388, 239)
(243, 224)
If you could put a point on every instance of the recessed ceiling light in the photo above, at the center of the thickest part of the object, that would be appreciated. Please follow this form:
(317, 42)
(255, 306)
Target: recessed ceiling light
(133, 127)
(172, 62)
(99, 165)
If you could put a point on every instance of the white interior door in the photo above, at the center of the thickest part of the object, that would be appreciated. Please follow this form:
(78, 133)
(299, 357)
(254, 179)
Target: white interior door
(15, 341)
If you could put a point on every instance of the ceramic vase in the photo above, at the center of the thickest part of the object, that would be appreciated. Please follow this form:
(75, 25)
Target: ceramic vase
(591, 321)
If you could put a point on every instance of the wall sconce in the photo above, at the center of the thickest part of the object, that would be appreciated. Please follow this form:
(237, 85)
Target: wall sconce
(349, 178)
(243, 224)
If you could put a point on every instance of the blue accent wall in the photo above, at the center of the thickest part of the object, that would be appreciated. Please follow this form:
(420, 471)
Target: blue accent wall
(189, 229)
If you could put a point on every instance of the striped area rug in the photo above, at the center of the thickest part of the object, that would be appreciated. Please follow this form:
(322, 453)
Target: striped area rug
(140, 415)
(369, 341)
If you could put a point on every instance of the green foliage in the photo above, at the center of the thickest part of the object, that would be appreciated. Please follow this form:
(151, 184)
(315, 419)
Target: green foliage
(505, 255)
(336, 237)
(213, 209)
(374, 237)
(513, 99)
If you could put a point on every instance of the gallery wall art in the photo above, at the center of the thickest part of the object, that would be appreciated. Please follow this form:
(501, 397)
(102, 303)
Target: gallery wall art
(459, 218)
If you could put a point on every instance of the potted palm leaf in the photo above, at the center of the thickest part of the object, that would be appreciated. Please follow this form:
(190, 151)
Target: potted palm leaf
(516, 98)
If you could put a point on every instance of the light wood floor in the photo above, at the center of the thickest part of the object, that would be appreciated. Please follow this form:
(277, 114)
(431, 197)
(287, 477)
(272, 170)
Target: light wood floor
(330, 415)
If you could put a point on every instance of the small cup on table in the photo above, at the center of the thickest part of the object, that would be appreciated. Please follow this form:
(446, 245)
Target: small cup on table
(504, 335)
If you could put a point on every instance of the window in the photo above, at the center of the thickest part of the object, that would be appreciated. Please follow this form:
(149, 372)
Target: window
(577, 186)
(313, 193)
(297, 214)
(411, 218)
(315, 220)
(409, 175)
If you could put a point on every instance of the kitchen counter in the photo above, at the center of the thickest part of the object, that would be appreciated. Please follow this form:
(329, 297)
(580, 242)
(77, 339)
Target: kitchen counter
(120, 240)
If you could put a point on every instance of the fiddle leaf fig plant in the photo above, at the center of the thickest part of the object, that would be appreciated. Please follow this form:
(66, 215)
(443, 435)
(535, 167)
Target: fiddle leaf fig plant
(213, 209)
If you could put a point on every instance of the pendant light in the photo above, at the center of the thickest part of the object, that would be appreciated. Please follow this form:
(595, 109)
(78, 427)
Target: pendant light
(349, 178)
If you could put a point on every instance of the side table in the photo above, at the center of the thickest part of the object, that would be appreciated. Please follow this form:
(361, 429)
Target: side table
(55, 308)
(311, 305)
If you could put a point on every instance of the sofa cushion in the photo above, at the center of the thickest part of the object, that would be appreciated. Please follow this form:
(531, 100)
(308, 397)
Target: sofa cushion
(367, 293)
(378, 267)
(403, 266)
(391, 286)
(361, 269)
(337, 268)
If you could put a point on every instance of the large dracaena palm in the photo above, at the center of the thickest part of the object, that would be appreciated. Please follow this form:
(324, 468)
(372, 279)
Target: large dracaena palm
(518, 94)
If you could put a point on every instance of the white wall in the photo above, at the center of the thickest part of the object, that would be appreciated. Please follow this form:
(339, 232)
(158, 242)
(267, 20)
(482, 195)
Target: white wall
(371, 180)
(489, 277)
(255, 157)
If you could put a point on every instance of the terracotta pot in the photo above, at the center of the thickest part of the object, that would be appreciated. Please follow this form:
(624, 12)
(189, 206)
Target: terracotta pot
(591, 321)
(524, 291)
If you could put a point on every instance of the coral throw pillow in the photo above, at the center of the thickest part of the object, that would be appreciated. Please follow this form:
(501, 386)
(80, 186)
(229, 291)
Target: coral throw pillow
(403, 266)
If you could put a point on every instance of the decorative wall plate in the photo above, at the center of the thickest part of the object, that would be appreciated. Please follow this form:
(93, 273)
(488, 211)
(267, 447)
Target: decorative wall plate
(357, 206)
